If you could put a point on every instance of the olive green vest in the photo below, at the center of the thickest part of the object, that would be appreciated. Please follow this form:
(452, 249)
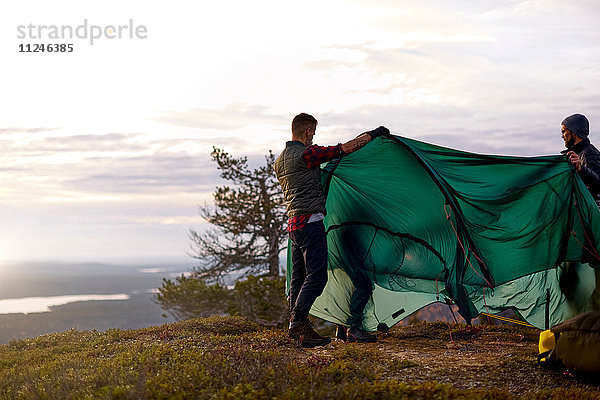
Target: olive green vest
(301, 186)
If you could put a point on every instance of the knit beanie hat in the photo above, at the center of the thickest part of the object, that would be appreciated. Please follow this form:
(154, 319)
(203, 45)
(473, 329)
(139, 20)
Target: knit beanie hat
(578, 124)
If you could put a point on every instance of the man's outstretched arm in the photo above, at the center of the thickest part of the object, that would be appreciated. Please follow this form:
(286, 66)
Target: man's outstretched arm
(362, 139)
(316, 155)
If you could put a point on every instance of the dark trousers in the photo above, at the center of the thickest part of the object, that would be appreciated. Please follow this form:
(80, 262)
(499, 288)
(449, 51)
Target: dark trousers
(309, 268)
(356, 270)
(360, 297)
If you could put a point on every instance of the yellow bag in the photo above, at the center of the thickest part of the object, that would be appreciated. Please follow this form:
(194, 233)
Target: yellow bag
(547, 342)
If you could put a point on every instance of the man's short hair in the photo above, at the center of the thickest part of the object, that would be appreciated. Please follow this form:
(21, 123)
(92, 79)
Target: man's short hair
(301, 122)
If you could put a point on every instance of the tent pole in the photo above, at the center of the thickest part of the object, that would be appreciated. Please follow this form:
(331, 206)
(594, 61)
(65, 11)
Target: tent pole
(547, 309)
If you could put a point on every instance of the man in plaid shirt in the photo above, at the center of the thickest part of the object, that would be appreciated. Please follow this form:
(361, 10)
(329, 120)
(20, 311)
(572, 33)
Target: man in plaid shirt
(297, 169)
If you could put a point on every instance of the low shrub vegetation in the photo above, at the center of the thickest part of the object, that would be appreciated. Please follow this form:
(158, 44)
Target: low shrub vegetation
(235, 358)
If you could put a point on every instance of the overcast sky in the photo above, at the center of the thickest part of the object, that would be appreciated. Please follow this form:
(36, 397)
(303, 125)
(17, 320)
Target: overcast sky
(105, 150)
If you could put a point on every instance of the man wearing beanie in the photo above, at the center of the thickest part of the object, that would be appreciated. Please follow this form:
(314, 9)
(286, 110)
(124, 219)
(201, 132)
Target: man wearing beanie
(583, 155)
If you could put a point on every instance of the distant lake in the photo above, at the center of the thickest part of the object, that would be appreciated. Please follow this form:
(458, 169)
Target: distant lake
(27, 305)
(37, 298)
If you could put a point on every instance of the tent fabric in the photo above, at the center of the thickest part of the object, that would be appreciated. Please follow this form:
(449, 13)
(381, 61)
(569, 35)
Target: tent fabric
(426, 223)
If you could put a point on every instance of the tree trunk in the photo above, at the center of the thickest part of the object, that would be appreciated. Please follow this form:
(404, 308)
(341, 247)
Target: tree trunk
(274, 254)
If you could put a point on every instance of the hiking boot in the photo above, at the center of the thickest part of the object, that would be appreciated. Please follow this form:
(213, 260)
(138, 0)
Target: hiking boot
(341, 332)
(303, 332)
(356, 335)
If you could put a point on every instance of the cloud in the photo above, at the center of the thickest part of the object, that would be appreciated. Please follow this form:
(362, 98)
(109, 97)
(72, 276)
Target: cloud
(103, 167)
(25, 130)
(40, 145)
(535, 8)
(116, 168)
(152, 174)
(186, 220)
(430, 73)
(503, 94)
(329, 64)
(234, 116)
(474, 129)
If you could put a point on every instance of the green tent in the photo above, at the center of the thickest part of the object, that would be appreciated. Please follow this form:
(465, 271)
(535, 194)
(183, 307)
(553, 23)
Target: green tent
(412, 224)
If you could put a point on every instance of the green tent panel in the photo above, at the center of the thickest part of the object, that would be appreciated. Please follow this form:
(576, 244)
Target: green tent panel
(423, 223)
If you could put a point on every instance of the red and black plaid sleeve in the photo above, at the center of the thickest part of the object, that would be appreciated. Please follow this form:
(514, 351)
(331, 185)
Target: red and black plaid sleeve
(315, 155)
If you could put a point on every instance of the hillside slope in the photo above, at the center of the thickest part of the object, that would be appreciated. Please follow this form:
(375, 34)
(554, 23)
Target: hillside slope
(232, 358)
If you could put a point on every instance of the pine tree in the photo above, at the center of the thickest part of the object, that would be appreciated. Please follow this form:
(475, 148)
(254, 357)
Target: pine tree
(247, 221)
